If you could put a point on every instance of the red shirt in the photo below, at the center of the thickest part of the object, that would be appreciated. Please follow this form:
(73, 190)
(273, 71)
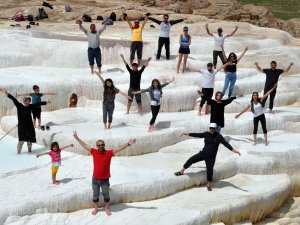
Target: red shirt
(101, 163)
(55, 155)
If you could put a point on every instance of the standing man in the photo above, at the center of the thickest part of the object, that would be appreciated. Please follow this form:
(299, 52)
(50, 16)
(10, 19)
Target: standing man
(136, 40)
(219, 41)
(135, 83)
(164, 35)
(94, 51)
(208, 84)
(272, 76)
(212, 140)
(26, 132)
(101, 174)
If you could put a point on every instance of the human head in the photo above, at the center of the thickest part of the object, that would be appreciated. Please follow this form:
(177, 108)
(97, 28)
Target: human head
(212, 128)
(100, 144)
(232, 56)
(185, 29)
(273, 65)
(108, 83)
(135, 66)
(220, 31)
(26, 101)
(155, 84)
(218, 95)
(136, 24)
(254, 96)
(54, 146)
(93, 28)
(166, 18)
(209, 66)
(36, 89)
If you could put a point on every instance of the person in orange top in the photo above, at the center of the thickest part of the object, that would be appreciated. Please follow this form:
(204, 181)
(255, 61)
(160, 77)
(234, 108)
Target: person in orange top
(136, 40)
(101, 174)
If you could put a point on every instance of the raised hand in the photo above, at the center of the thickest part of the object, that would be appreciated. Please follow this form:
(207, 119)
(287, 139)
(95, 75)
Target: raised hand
(4, 91)
(132, 141)
(75, 134)
(122, 56)
(184, 134)
(237, 116)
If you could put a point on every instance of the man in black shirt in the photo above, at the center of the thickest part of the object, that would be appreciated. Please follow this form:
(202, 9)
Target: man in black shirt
(212, 140)
(272, 76)
(135, 83)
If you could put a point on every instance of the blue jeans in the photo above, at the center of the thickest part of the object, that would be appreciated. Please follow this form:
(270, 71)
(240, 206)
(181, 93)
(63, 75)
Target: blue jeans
(229, 78)
(94, 53)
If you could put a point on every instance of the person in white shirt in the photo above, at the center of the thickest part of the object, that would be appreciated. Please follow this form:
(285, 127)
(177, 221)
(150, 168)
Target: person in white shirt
(258, 113)
(208, 84)
(219, 38)
(164, 35)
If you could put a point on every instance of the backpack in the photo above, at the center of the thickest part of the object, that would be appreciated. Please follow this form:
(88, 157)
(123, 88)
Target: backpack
(68, 8)
(113, 16)
(86, 18)
(99, 18)
(19, 17)
(30, 17)
(42, 14)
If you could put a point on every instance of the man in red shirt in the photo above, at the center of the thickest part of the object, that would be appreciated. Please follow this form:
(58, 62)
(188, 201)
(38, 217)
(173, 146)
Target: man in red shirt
(101, 174)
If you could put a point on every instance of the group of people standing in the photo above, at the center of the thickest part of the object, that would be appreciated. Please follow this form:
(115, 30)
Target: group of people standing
(212, 138)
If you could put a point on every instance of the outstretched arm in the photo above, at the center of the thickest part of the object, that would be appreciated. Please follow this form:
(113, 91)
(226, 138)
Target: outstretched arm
(129, 24)
(123, 93)
(269, 92)
(102, 28)
(155, 20)
(79, 22)
(198, 135)
(168, 82)
(145, 21)
(148, 60)
(67, 146)
(81, 142)
(124, 61)
(5, 92)
(172, 22)
(207, 30)
(22, 94)
(245, 110)
(130, 142)
(45, 153)
(100, 77)
(221, 67)
(49, 93)
(233, 32)
(223, 52)
(288, 68)
(192, 69)
(241, 56)
(258, 67)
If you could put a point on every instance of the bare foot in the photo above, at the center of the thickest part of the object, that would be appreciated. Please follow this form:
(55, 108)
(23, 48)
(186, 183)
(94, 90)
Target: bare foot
(271, 111)
(254, 142)
(95, 211)
(108, 212)
(92, 71)
(56, 182)
(199, 113)
(266, 143)
(127, 113)
(19, 152)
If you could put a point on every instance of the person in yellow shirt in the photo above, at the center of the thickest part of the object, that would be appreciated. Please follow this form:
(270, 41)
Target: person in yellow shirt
(136, 40)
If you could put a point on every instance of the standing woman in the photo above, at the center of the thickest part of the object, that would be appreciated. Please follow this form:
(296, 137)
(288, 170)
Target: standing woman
(184, 49)
(108, 104)
(230, 69)
(258, 113)
(155, 92)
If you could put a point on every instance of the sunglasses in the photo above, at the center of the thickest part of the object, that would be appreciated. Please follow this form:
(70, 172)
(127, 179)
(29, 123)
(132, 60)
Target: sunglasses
(101, 145)
(212, 128)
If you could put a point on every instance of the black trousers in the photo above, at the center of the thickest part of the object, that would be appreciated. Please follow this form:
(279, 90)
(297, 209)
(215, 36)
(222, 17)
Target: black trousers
(207, 94)
(161, 42)
(262, 120)
(272, 96)
(215, 57)
(154, 110)
(210, 162)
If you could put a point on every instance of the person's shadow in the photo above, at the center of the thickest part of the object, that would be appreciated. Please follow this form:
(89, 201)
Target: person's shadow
(222, 184)
(121, 207)
(67, 180)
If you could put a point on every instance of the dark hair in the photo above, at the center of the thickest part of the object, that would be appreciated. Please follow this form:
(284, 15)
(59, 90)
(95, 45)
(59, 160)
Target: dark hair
(92, 25)
(218, 92)
(35, 87)
(232, 53)
(166, 15)
(73, 100)
(53, 144)
(258, 99)
(109, 90)
(134, 64)
(273, 62)
(209, 64)
(158, 86)
(220, 30)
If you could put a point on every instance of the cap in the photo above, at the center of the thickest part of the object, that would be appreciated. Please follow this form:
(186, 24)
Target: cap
(212, 125)
(185, 29)
(209, 64)
(220, 30)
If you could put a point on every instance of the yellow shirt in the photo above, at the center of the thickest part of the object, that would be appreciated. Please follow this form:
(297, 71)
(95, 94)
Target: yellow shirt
(137, 34)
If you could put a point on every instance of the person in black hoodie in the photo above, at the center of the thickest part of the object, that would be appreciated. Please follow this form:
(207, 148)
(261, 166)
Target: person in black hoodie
(212, 140)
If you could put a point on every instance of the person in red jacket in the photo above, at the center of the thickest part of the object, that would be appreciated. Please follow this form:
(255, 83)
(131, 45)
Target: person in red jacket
(101, 174)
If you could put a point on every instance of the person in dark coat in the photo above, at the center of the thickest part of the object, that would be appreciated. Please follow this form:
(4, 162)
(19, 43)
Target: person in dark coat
(212, 140)
(26, 130)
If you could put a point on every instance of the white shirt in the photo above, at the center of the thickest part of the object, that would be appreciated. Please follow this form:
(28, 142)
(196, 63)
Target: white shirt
(208, 79)
(258, 109)
(165, 29)
(219, 40)
(156, 95)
